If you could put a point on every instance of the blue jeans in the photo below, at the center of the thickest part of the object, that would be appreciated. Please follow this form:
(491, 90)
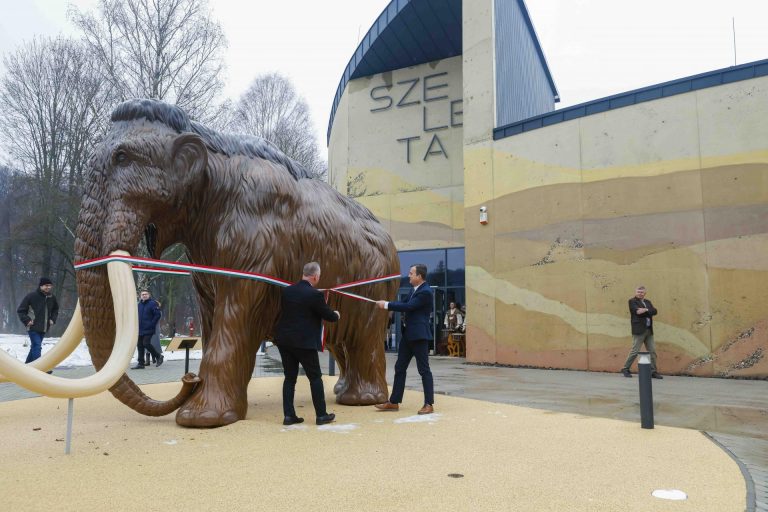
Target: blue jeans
(36, 338)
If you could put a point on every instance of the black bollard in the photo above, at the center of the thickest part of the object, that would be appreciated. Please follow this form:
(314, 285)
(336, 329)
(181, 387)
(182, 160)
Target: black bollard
(646, 390)
(331, 364)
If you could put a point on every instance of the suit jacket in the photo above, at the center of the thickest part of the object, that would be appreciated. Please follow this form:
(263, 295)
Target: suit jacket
(302, 310)
(418, 309)
(639, 322)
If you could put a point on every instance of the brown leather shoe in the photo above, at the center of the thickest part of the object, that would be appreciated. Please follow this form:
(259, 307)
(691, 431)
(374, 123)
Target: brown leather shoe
(427, 409)
(387, 406)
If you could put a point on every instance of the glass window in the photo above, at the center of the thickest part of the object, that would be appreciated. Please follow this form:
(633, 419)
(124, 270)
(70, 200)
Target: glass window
(457, 295)
(456, 267)
(433, 259)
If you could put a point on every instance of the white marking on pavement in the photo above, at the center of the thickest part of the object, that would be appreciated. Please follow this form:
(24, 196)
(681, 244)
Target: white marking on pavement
(669, 494)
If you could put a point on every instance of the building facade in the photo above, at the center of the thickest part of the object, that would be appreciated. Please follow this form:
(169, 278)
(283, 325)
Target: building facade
(665, 186)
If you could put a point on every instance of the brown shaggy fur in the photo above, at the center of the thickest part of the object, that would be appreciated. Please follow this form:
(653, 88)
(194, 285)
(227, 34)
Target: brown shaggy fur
(234, 202)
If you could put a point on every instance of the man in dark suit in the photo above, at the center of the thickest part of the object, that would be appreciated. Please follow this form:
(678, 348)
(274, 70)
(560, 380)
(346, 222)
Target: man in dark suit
(298, 338)
(642, 312)
(416, 335)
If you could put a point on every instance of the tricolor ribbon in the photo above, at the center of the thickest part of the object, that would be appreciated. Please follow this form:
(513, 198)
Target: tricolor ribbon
(175, 268)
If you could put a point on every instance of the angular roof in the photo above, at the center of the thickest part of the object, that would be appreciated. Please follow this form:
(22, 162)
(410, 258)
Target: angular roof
(411, 32)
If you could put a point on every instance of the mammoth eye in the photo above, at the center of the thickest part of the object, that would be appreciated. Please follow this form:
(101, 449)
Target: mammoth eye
(120, 157)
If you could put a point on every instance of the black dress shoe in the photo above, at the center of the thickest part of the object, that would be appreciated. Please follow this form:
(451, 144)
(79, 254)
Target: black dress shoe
(137, 367)
(325, 418)
(160, 361)
(626, 373)
(291, 420)
(656, 375)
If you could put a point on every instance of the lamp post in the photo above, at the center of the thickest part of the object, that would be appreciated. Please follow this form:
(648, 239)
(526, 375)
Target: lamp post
(646, 391)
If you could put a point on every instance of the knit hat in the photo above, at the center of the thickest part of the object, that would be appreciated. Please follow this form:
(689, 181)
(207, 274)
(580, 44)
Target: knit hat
(44, 280)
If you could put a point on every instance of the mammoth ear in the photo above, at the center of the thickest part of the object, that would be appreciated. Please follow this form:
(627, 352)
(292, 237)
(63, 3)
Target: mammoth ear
(189, 156)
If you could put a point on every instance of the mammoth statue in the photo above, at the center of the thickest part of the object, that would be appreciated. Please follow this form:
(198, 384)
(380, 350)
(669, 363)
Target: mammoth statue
(234, 202)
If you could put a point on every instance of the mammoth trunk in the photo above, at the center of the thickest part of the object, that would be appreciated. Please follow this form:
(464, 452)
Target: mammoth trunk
(98, 312)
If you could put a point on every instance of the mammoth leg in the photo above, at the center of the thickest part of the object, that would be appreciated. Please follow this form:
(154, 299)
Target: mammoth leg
(228, 360)
(337, 350)
(363, 380)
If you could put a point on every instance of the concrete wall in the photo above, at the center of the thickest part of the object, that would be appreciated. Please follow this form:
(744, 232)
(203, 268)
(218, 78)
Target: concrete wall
(396, 147)
(671, 194)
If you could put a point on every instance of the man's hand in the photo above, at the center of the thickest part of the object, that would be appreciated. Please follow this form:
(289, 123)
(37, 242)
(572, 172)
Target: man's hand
(50, 322)
(29, 324)
(338, 315)
(381, 304)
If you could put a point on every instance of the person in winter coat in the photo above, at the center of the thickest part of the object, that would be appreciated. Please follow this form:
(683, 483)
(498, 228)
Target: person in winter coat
(38, 312)
(149, 315)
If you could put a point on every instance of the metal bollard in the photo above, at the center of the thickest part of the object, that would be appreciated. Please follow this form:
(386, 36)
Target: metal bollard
(646, 390)
(331, 364)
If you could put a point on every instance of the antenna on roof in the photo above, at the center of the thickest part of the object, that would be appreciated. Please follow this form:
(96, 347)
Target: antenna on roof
(733, 27)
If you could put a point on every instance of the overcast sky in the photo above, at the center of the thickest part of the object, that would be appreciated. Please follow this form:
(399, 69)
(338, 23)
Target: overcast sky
(594, 48)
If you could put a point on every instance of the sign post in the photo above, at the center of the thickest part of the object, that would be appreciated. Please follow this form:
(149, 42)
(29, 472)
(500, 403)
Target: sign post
(186, 343)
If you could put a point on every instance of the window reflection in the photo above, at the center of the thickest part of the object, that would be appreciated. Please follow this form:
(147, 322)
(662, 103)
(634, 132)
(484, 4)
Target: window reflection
(445, 272)
(455, 270)
(433, 259)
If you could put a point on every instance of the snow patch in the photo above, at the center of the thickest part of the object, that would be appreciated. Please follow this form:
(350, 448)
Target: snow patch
(344, 428)
(420, 418)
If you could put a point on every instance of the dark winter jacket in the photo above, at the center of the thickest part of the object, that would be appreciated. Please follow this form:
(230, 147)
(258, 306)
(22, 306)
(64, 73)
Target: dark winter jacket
(643, 321)
(149, 315)
(39, 308)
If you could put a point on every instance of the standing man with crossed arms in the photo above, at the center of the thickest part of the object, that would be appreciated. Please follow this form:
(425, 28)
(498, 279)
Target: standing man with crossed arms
(641, 312)
(417, 332)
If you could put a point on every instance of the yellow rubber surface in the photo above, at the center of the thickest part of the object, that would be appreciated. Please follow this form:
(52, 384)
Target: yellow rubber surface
(511, 458)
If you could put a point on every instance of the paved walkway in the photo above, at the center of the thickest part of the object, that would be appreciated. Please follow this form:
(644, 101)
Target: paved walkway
(733, 412)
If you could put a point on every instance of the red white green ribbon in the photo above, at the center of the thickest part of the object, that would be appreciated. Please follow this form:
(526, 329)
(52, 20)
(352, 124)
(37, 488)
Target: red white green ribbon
(176, 268)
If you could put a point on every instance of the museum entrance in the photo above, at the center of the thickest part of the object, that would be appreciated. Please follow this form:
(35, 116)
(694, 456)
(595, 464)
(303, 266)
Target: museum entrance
(445, 275)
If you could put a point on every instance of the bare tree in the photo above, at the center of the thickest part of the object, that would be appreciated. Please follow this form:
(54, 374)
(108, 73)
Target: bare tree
(272, 109)
(168, 50)
(54, 106)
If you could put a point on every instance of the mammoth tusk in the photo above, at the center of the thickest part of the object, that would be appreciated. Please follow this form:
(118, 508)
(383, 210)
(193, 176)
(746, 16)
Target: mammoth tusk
(126, 331)
(69, 341)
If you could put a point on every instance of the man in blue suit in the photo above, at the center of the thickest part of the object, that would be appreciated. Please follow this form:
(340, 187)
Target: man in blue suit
(298, 338)
(417, 332)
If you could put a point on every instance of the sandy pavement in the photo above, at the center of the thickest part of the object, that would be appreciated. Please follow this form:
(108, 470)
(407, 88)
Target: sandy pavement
(511, 458)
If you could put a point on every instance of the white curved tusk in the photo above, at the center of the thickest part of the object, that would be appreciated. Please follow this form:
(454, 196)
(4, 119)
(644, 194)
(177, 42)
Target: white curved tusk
(126, 332)
(69, 341)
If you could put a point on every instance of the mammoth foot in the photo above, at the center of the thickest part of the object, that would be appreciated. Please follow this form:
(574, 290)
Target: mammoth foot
(360, 393)
(202, 412)
(340, 385)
